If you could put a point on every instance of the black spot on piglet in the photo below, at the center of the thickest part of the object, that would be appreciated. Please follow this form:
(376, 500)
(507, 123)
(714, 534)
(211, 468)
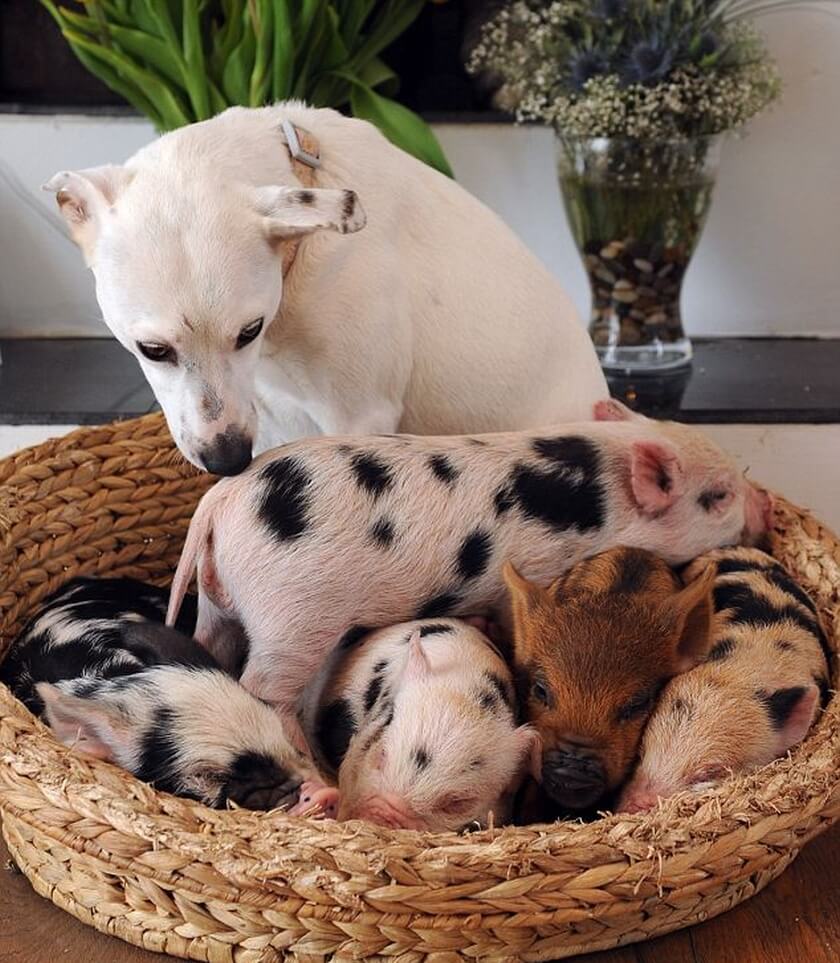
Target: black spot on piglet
(443, 469)
(503, 500)
(284, 502)
(474, 554)
(158, 762)
(353, 636)
(439, 605)
(422, 759)
(372, 691)
(371, 473)
(499, 685)
(335, 727)
(721, 650)
(566, 495)
(435, 628)
(382, 532)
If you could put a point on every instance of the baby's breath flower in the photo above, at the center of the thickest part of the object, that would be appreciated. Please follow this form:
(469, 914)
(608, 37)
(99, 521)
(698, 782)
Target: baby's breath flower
(568, 64)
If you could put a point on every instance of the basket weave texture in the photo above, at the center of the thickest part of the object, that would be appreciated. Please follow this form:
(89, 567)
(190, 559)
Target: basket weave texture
(173, 876)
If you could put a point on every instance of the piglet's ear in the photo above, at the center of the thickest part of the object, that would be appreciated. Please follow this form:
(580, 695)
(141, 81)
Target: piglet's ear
(608, 409)
(656, 476)
(84, 197)
(86, 724)
(291, 211)
(417, 665)
(530, 749)
(792, 714)
(695, 610)
(525, 598)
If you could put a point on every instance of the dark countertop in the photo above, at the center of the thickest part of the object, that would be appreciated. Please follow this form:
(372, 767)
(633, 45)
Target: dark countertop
(732, 380)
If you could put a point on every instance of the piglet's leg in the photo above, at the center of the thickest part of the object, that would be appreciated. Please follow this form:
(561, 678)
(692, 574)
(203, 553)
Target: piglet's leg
(221, 635)
(280, 697)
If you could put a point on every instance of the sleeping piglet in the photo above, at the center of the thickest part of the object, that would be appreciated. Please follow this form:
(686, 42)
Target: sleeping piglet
(194, 732)
(114, 682)
(418, 720)
(323, 537)
(754, 697)
(592, 652)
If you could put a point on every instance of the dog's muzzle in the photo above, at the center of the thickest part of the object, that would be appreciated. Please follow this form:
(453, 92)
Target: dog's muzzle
(229, 453)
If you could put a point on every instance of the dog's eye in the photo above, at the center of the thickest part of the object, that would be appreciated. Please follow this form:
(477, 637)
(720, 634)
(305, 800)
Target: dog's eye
(539, 690)
(155, 351)
(249, 333)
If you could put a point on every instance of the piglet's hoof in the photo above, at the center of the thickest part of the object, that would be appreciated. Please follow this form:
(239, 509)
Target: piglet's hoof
(315, 797)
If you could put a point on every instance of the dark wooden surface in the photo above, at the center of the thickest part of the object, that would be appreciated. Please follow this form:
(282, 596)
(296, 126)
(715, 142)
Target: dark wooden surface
(795, 920)
(86, 381)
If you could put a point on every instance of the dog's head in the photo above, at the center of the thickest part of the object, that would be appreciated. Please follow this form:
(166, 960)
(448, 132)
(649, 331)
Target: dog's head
(188, 278)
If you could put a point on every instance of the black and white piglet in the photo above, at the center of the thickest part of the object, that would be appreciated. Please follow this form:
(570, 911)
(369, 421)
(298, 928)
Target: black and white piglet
(114, 682)
(101, 627)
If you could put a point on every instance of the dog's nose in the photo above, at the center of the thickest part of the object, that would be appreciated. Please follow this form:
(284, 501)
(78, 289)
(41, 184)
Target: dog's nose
(573, 779)
(228, 453)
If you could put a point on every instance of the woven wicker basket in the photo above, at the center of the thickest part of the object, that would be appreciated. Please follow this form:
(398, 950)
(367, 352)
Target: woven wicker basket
(169, 875)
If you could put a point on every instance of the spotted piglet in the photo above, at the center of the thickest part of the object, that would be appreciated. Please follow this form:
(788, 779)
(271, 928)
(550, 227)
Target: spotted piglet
(325, 536)
(592, 652)
(755, 696)
(418, 720)
(114, 682)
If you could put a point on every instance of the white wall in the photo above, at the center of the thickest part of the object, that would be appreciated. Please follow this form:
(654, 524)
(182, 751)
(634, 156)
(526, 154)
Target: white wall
(768, 262)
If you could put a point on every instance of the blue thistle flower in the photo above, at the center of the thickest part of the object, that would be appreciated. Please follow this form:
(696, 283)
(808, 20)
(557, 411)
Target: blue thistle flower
(649, 61)
(708, 44)
(609, 9)
(584, 65)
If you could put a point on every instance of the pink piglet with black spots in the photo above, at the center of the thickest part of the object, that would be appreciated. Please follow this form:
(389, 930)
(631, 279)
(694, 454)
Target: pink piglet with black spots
(323, 539)
(419, 722)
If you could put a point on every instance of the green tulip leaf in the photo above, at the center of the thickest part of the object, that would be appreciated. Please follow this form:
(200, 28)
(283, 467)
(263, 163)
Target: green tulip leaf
(400, 125)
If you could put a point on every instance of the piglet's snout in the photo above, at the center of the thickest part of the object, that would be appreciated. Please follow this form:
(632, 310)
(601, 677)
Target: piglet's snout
(573, 778)
(278, 795)
(315, 796)
(386, 810)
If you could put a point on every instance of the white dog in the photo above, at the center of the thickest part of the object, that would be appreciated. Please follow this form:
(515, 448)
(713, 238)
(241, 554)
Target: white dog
(436, 319)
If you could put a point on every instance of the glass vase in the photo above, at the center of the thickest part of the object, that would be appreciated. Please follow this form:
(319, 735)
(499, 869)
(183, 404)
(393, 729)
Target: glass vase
(636, 210)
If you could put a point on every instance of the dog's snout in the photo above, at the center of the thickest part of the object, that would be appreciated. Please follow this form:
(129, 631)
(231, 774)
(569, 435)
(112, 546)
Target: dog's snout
(573, 778)
(229, 453)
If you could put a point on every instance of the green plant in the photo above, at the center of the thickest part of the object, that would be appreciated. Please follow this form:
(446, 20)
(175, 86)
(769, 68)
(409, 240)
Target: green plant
(178, 61)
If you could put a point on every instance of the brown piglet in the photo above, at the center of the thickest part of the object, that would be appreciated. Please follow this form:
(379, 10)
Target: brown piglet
(591, 653)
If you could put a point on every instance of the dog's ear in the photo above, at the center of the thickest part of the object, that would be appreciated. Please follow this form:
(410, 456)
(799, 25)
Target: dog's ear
(84, 197)
(291, 211)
